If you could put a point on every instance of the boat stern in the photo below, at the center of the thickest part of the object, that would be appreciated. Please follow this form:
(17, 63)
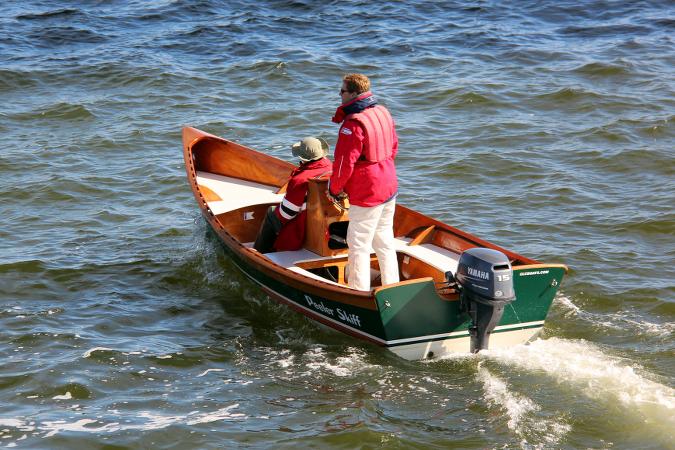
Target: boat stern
(418, 323)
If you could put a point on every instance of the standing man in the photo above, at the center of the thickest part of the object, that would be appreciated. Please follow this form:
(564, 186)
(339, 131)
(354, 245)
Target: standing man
(364, 170)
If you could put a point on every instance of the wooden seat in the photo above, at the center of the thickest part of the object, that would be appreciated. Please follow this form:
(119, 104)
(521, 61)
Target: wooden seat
(321, 214)
(440, 258)
(303, 261)
(224, 194)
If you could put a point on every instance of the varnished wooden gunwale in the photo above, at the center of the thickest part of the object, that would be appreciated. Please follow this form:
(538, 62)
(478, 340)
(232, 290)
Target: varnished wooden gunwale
(227, 158)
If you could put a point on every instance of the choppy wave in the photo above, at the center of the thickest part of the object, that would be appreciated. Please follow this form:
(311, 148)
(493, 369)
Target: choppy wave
(604, 30)
(59, 111)
(598, 69)
(120, 422)
(12, 79)
(569, 95)
(64, 35)
(57, 13)
(30, 266)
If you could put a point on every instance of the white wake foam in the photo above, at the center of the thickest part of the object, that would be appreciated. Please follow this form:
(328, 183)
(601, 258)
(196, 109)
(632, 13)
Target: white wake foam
(497, 393)
(89, 352)
(66, 396)
(342, 366)
(521, 412)
(583, 366)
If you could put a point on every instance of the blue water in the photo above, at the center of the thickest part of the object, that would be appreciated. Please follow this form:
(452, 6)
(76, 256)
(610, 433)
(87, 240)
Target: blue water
(546, 127)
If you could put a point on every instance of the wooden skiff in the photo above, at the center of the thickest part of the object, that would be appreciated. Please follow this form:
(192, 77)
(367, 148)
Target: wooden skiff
(420, 317)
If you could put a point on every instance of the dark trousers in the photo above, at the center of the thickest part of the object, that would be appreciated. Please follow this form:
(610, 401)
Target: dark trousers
(268, 232)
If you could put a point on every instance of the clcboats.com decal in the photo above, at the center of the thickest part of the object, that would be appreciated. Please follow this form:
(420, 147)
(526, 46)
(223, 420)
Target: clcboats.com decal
(536, 272)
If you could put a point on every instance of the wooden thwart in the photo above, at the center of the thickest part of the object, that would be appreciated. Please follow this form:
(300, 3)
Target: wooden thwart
(339, 262)
(321, 214)
(423, 236)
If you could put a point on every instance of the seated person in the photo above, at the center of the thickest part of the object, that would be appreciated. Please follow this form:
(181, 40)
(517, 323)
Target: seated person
(284, 226)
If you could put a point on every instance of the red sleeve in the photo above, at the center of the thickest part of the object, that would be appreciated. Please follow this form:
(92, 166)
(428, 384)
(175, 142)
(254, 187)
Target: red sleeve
(348, 149)
(294, 199)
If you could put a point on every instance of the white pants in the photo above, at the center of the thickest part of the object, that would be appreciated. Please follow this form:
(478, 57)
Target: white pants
(371, 228)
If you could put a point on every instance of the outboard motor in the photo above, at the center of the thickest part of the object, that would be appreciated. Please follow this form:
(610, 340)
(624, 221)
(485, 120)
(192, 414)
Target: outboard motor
(485, 281)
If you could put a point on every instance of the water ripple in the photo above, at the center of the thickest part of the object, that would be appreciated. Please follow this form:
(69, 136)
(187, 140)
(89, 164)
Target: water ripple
(64, 35)
(57, 13)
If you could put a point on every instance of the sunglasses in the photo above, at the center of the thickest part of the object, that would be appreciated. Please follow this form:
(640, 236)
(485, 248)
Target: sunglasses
(342, 91)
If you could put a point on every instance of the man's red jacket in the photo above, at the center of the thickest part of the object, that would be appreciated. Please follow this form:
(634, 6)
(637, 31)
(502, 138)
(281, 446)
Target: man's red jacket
(367, 183)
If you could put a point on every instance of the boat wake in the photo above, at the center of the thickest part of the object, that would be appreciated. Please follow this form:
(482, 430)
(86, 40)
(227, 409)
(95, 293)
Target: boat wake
(621, 388)
(522, 412)
(621, 320)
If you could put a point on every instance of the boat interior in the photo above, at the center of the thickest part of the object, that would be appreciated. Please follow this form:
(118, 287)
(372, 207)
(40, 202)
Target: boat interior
(239, 192)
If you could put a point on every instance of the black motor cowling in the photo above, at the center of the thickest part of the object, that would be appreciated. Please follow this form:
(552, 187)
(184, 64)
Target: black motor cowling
(485, 280)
